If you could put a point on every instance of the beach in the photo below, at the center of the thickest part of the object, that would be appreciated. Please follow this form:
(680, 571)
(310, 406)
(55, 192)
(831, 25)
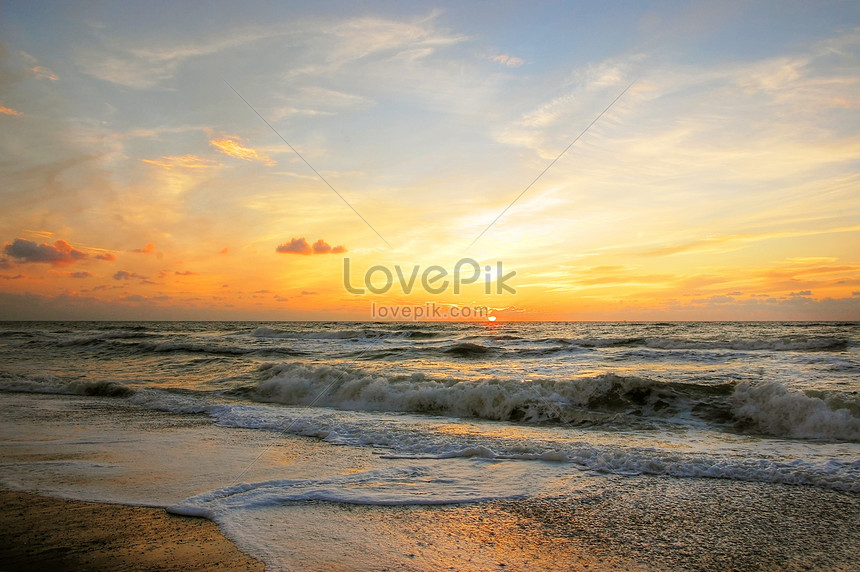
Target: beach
(641, 525)
(44, 533)
(397, 286)
(312, 447)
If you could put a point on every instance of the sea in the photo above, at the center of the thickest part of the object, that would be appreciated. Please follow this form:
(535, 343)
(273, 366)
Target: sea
(238, 421)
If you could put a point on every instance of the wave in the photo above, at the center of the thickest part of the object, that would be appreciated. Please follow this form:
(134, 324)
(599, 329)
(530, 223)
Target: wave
(766, 408)
(775, 344)
(361, 334)
(216, 349)
(171, 402)
(90, 339)
(404, 440)
(468, 349)
(17, 333)
(496, 337)
(586, 400)
(142, 342)
(549, 346)
(775, 410)
(404, 437)
(55, 385)
(191, 347)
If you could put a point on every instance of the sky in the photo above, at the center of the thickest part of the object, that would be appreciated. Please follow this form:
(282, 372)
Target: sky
(648, 160)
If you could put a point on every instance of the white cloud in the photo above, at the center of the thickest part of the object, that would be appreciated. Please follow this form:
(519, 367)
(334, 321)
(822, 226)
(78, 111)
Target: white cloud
(509, 61)
(131, 64)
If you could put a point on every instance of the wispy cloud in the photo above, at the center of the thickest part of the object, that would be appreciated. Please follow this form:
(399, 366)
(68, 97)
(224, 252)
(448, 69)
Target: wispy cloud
(8, 110)
(509, 61)
(42, 72)
(724, 243)
(188, 161)
(317, 101)
(131, 64)
(364, 37)
(233, 147)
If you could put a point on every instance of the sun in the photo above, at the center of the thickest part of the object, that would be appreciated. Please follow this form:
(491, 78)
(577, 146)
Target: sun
(491, 318)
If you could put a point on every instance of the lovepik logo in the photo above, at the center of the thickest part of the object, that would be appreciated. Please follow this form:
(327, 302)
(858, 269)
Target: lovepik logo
(433, 280)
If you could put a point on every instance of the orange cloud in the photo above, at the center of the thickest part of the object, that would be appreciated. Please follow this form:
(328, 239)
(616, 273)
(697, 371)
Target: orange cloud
(42, 72)
(322, 247)
(8, 110)
(301, 246)
(183, 162)
(106, 256)
(60, 253)
(295, 246)
(231, 147)
(149, 248)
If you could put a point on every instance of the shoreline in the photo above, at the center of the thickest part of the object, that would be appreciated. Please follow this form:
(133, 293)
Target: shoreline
(639, 523)
(47, 533)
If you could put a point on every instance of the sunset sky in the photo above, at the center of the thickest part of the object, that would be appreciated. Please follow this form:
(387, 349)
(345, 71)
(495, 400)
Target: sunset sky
(137, 184)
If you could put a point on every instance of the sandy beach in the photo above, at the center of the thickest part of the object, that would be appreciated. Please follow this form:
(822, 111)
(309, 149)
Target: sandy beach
(639, 523)
(312, 489)
(643, 524)
(43, 533)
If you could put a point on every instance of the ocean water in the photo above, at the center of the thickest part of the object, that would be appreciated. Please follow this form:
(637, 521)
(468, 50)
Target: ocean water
(237, 420)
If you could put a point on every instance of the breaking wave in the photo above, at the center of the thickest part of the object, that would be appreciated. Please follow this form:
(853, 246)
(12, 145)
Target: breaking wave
(766, 408)
(52, 384)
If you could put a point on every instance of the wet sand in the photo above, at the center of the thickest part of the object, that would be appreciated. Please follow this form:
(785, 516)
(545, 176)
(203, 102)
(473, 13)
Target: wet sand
(594, 522)
(635, 523)
(43, 533)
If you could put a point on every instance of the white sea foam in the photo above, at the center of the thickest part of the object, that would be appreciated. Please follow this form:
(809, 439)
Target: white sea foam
(768, 408)
(777, 411)
(397, 485)
(298, 384)
(406, 437)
